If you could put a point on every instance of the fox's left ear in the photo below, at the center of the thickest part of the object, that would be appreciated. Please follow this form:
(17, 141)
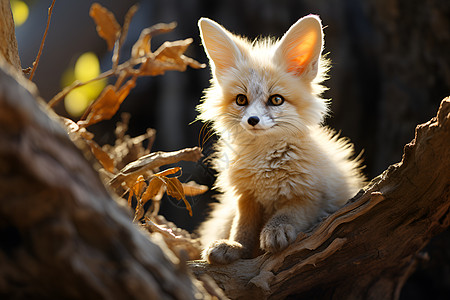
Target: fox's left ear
(301, 47)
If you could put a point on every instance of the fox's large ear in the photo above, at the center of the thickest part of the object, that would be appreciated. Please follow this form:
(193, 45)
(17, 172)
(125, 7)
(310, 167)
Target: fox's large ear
(301, 47)
(219, 46)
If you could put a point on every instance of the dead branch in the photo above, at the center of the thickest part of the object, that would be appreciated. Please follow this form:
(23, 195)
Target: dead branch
(150, 162)
(38, 56)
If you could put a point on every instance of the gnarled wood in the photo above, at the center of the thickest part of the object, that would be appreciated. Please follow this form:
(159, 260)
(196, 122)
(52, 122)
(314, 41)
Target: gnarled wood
(367, 249)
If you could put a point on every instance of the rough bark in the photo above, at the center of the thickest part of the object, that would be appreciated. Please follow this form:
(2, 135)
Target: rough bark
(62, 235)
(8, 43)
(367, 249)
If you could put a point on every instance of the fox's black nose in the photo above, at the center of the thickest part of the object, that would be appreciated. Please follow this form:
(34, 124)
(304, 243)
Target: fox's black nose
(253, 120)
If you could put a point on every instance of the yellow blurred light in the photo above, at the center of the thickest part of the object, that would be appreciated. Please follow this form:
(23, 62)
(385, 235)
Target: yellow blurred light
(67, 77)
(20, 11)
(93, 89)
(87, 67)
(76, 103)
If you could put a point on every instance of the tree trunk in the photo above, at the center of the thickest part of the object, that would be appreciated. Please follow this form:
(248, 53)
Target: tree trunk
(367, 249)
(8, 43)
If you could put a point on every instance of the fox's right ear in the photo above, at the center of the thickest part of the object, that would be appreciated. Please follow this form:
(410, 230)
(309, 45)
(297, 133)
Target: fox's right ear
(219, 46)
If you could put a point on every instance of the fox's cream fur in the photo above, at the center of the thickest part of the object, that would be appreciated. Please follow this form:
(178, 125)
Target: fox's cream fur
(279, 170)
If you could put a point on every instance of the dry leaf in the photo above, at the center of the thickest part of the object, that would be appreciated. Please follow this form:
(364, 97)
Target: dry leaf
(103, 157)
(153, 189)
(172, 50)
(123, 34)
(102, 108)
(124, 91)
(175, 189)
(138, 189)
(142, 46)
(169, 57)
(126, 24)
(107, 26)
(139, 186)
(193, 189)
(107, 104)
(168, 172)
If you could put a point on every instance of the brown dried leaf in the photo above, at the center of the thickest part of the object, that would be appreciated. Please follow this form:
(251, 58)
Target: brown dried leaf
(175, 189)
(107, 26)
(172, 50)
(168, 172)
(126, 24)
(142, 46)
(103, 157)
(124, 91)
(102, 108)
(138, 187)
(169, 57)
(153, 189)
(123, 34)
(107, 104)
(130, 197)
(193, 189)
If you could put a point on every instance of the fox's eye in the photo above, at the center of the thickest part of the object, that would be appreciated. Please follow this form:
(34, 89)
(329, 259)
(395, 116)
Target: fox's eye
(241, 100)
(276, 100)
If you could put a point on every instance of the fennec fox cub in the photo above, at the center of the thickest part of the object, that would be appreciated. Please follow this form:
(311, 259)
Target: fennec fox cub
(279, 170)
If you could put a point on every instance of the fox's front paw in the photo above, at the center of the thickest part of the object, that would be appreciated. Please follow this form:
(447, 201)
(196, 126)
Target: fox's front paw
(276, 238)
(223, 252)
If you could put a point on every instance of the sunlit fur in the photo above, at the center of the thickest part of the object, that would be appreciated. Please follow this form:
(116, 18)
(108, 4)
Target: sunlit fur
(288, 170)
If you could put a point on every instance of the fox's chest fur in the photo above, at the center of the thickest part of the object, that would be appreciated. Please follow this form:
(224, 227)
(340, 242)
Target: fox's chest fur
(275, 170)
(270, 171)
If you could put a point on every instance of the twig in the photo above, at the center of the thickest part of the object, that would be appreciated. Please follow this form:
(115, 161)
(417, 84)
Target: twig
(126, 65)
(36, 62)
(123, 35)
(151, 161)
(58, 97)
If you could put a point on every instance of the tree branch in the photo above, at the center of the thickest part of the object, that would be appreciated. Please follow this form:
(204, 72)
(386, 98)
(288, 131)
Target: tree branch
(369, 247)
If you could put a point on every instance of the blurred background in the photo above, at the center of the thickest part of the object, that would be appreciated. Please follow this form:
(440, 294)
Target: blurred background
(390, 70)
